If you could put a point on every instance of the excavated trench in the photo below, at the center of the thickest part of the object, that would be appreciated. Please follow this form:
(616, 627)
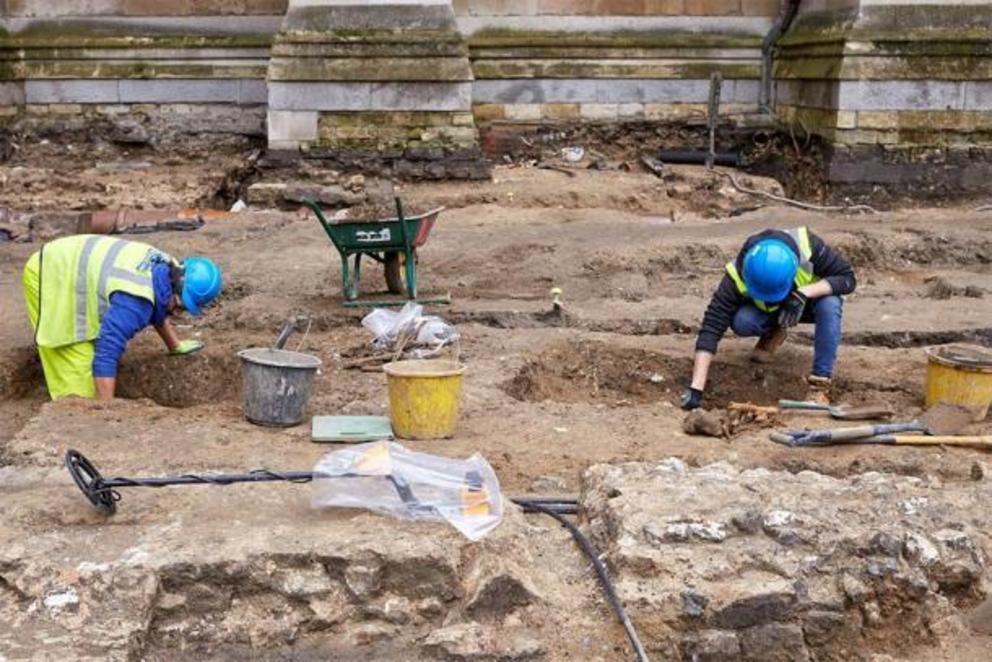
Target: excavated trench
(588, 371)
(207, 378)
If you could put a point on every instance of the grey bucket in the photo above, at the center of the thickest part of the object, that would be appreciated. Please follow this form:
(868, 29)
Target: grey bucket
(276, 385)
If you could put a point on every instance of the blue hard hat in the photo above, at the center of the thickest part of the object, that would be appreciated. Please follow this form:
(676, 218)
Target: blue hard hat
(769, 270)
(201, 283)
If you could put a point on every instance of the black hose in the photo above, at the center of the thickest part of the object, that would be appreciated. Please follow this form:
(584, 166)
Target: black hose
(602, 573)
(782, 23)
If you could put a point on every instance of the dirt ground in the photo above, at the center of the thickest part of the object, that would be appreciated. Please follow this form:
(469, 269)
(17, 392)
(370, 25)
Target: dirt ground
(546, 395)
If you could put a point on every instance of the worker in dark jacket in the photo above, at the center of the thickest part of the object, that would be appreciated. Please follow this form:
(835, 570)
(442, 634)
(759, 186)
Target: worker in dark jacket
(779, 279)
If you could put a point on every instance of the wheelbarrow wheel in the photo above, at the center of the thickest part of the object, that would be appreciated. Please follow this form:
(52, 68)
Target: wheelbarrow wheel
(393, 267)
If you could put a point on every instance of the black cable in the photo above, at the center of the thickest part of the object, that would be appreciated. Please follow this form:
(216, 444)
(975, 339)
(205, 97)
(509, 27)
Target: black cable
(604, 578)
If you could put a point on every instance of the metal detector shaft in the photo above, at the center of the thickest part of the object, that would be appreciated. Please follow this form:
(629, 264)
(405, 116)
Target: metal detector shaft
(103, 495)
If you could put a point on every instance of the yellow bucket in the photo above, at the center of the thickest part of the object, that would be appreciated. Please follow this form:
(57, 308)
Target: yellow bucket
(424, 398)
(960, 375)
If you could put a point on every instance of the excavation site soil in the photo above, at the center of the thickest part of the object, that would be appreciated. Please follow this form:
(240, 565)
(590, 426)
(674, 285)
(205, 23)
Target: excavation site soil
(581, 401)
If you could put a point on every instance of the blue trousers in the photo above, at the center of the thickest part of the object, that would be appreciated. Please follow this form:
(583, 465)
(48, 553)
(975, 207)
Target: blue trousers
(825, 313)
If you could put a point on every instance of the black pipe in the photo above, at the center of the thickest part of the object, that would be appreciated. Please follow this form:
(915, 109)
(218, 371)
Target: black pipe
(732, 159)
(604, 579)
(782, 22)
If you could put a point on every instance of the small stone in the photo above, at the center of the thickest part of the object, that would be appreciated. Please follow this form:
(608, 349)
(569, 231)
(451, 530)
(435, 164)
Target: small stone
(355, 183)
(821, 627)
(57, 601)
(366, 634)
(753, 610)
(694, 603)
(914, 505)
(855, 590)
(749, 522)
(703, 423)
(777, 642)
(872, 613)
(883, 543)
(712, 646)
(170, 601)
(549, 483)
(920, 551)
(363, 580)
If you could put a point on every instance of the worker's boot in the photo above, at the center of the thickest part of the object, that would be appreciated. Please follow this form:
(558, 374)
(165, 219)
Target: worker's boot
(768, 343)
(818, 390)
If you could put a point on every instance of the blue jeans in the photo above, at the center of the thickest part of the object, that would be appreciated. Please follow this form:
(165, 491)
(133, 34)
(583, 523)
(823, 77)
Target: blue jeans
(824, 312)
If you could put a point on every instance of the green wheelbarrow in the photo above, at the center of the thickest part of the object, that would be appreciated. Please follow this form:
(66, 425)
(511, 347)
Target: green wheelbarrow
(392, 242)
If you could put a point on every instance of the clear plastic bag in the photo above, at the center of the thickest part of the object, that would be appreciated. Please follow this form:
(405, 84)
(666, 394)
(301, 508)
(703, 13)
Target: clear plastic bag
(426, 331)
(385, 477)
(387, 325)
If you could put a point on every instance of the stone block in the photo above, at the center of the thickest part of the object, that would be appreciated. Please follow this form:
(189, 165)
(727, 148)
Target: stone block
(252, 91)
(36, 109)
(319, 96)
(713, 7)
(560, 111)
(178, 91)
(12, 94)
(599, 111)
(522, 112)
(9, 111)
(566, 7)
(292, 125)
(499, 8)
(618, 7)
(760, 7)
(664, 7)
(421, 96)
(71, 91)
(484, 112)
(978, 95)
(65, 109)
(463, 119)
(901, 95)
(630, 110)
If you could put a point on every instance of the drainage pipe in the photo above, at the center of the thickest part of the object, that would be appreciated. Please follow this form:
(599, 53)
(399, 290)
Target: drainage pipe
(786, 14)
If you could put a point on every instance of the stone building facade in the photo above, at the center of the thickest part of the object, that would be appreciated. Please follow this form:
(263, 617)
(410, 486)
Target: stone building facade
(873, 78)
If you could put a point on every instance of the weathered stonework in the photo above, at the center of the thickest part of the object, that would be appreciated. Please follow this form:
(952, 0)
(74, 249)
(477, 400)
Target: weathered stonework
(868, 77)
(389, 75)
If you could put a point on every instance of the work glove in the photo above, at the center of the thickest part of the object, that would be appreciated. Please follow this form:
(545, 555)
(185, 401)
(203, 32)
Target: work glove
(792, 310)
(186, 347)
(692, 398)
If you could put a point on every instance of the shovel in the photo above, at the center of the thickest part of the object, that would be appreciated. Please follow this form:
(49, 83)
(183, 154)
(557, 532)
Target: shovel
(939, 422)
(841, 412)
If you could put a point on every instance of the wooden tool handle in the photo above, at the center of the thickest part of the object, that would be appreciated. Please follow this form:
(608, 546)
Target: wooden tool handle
(924, 440)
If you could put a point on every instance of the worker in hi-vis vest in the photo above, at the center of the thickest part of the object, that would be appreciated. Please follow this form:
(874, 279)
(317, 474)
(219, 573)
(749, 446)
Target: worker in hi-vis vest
(88, 295)
(779, 279)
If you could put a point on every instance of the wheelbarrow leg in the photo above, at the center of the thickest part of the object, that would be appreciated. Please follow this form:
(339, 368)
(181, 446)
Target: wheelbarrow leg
(353, 294)
(345, 277)
(411, 273)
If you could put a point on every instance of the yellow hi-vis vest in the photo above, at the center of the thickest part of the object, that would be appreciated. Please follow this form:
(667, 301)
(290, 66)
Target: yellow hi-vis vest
(804, 275)
(78, 275)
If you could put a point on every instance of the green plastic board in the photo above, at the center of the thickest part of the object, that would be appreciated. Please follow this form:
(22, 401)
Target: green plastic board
(353, 429)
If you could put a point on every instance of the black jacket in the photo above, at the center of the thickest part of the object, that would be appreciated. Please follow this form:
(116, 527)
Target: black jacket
(828, 264)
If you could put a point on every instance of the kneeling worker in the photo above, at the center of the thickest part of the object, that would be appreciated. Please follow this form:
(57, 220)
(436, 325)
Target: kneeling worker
(88, 295)
(779, 279)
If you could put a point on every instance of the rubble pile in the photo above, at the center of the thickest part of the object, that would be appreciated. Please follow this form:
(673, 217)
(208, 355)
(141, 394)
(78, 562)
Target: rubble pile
(720, 563)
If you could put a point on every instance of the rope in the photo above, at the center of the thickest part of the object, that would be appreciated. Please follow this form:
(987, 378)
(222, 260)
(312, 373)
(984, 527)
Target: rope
(796, 203)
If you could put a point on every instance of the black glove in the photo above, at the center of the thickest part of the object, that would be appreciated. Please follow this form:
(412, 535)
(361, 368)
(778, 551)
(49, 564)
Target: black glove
(692, 398)
(792, 309)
